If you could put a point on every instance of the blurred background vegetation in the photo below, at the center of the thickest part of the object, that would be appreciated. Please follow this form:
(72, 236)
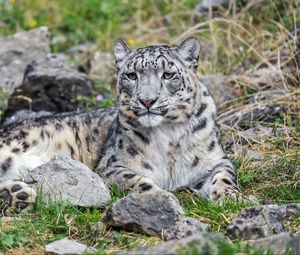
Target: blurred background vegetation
(245, 34)
(240, 33)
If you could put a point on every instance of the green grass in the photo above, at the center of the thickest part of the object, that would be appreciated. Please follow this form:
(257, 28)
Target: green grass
(79, 22)
(273, 180)
(32, 230)
(47, 223)
(88, 20)
(3, 101)
(216, 214)
(219, 247)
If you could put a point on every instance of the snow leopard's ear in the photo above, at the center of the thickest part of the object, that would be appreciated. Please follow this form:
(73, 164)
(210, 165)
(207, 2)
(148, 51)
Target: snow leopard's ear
(189, 51)
(122, 50)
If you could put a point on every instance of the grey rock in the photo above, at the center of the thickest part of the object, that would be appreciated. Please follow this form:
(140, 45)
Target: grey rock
(256, 134)
(183, 228)
(21, 115)
(67, 247)
(280, 244)
(260, 133)
(98, 226)
(264, 78)
(267, 96)
(200, 243)
(205, 5)
(58, 40)
(220, 89)
(103, 69)
(262, 106)
(149, 212)
(82, 55)
(50, 84)
(250, 113)
(82, 48)
(253, 155)
(98, 65)
(63, 178)
(261, 221)
(102, 66)
(19, 50)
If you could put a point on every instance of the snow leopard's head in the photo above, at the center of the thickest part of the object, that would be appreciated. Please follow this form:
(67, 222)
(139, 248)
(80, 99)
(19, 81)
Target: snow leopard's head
(157, 84)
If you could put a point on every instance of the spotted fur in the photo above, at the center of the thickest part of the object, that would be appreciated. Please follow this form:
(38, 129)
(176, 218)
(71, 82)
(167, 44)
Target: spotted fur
(163, 135)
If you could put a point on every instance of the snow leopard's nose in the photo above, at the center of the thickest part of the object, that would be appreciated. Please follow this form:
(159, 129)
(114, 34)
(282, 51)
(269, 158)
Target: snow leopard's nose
(147, 102)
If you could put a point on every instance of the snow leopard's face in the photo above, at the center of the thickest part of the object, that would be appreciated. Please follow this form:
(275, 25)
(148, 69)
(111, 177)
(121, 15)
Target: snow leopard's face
(157, 84)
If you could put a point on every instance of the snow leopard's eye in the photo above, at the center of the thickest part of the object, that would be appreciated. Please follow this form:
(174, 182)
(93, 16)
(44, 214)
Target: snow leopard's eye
(168, 76)
(131, 76)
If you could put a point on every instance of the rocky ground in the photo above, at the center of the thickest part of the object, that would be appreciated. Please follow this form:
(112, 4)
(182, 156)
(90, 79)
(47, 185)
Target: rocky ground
(255, 83)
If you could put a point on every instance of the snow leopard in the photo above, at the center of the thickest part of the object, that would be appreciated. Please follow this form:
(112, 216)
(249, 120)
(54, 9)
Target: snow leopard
(163, 134)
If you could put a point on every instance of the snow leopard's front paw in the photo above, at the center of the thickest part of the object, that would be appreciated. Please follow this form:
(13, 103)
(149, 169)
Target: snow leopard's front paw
(15, 194)
(224, 191)
(222, 194)
(233, 195)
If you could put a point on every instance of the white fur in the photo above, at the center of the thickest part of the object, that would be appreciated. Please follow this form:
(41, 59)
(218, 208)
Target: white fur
(150, 120)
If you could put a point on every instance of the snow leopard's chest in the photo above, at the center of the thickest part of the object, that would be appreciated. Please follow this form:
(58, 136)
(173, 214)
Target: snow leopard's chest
(172, 155)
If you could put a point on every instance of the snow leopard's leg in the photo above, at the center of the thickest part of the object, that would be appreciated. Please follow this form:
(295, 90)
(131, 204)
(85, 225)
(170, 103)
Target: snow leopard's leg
(220, 180)
(127, 179)
(15, 194)
(13, 168)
